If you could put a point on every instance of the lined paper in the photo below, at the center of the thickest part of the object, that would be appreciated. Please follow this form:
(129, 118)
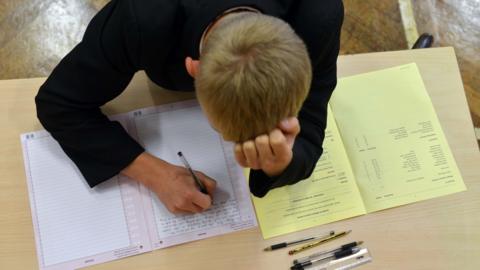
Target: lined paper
(76, 226)
(165, 133)
(73, 220)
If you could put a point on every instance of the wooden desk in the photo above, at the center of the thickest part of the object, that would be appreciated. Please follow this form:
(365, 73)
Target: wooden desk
(441, 233)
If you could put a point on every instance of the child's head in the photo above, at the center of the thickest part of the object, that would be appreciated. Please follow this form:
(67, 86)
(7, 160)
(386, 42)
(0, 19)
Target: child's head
(254, 71)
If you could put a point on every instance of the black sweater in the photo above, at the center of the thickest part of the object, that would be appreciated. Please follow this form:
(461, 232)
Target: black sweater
(156, 36)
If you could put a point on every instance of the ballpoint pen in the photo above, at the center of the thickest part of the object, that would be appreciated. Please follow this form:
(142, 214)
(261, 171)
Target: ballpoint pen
(187, 165)
(334, 256)
(314, 244)
(327, 252)
(286, 244)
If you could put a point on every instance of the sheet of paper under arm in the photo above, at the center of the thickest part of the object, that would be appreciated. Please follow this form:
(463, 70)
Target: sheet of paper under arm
(393, 138)
(164, 131)
(330, 194)
(77, 226)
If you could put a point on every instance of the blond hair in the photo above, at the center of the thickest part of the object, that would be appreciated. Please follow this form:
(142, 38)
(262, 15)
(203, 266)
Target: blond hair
(254, 71)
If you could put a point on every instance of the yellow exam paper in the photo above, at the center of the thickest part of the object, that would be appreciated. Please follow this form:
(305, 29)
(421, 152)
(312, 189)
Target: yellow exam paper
(392, 136)
(330, 194)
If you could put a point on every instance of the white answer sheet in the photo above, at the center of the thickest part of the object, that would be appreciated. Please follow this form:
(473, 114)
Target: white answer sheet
(77, 226)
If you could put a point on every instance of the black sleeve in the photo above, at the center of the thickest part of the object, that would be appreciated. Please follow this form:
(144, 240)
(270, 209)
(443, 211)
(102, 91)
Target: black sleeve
(323, 49)
(97, 70)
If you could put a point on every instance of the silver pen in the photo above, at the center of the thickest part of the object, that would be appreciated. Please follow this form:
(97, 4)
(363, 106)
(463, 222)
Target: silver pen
(322, 253)
(337, 255)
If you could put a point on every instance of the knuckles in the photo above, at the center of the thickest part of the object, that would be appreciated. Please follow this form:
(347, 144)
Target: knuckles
(248, 146)
(277, 140)
(181, 204)
(261, 140)
(187, 197)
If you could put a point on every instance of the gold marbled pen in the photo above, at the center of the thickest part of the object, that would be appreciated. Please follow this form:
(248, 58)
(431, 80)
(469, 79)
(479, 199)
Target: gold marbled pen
(317, 243)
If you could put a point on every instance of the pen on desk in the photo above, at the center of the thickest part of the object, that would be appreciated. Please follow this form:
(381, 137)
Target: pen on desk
(334, 256)
(187, 165)
(317, 243)
(327, 252)
(286, 244)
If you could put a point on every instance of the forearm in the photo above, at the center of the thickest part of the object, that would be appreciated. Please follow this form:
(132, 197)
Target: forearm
(144, 167)
(96, 71)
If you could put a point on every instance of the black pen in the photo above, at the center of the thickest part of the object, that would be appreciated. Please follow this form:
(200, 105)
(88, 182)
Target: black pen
(187, 165)
(286, 244)
(334, 256)
(328, 252)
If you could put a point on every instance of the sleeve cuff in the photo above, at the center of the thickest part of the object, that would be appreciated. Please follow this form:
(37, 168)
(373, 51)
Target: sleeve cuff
(260, 183)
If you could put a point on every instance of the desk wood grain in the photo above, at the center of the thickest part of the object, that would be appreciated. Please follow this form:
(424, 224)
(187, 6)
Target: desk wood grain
(441, 233)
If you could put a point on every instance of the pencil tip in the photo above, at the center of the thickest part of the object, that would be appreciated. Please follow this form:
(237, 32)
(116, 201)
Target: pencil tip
(360, 242)
(267, 249)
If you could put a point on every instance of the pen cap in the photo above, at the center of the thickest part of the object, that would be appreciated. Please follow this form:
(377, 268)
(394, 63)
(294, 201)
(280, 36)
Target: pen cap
(349, 245)
(277, 246)
(300, 266)
(346, 252)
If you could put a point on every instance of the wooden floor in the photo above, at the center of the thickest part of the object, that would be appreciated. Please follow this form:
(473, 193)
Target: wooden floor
(36, 34)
